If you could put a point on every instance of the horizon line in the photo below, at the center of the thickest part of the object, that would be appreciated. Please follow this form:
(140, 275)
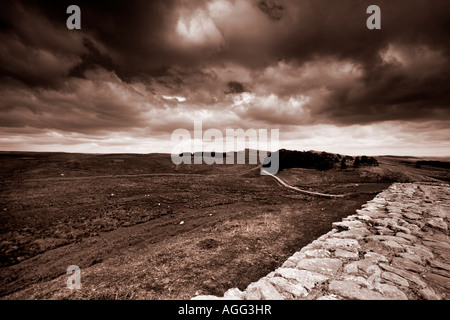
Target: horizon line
(168, 153)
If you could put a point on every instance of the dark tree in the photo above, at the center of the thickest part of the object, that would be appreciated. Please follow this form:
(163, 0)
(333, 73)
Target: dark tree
(357, 162)
(343, 164)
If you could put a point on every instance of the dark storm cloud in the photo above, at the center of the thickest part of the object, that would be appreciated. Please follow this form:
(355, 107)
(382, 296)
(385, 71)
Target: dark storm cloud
(138, 32)
(92, 59)
(33, 50)
(390, 94)
(307, 62)
(101, 102)
(272, 10)
(235, 87)
(131, 31)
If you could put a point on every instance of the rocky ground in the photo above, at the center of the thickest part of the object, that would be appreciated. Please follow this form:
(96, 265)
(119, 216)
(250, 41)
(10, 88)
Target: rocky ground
(396, 247)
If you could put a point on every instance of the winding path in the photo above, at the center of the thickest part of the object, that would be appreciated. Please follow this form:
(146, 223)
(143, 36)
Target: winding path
(284, 184)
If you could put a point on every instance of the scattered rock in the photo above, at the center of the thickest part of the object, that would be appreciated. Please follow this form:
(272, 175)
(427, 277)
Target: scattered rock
(345, 244)
(375, 246)
(293, 260)
(267, 291)
(429, 294)
(299, 255)
(358, 279)
(305, 278)
(347, 225)
(317, 253)
(375, 257)
(412, 216)
(381, 223)
(406, 264)
(351, 268)
(390, 238)
(407, 236)
(316, 244)
(397, 228)
(415, 230)
(390, 292)
(233, 294)
(439, 212)
(394, 246)
(440, 265)
(329, 297)
(356, 233)
(440, 237)
(289, 264)
(284, 286)
(325, 266)
(420, 250)
(352, 290)
(339, 253)
(384, 231)
(361, 217)
(364, 265)
(414, 258)
(441, 272)
(411, 277)
(438, 246)
(252, 292)
(374, 215)
(439, 280)
(437, 223)
(394, 278)
(206, 297)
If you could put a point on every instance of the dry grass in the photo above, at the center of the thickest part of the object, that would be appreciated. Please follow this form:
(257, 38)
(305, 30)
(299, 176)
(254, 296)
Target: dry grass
(262, 224)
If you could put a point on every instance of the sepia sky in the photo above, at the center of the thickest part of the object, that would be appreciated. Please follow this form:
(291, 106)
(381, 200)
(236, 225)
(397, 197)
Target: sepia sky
(138, 70)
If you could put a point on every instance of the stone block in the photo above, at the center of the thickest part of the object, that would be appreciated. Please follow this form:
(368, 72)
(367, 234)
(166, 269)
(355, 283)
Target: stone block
(345, 244)
(347, 225)
(325, 266)
(339, 253)
(317, 253)
(406, 264)
(437, 223)
(352, 290)
(305, 278)
(390, 292)
(262, 290)
(233, 294)
(394, 278)
(410, 276)
(284, 286)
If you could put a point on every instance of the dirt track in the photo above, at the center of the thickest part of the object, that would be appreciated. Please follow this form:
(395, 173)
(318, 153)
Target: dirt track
(284, 184)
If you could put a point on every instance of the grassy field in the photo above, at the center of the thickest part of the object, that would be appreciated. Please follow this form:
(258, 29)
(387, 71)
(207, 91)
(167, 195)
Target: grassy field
(140, 227)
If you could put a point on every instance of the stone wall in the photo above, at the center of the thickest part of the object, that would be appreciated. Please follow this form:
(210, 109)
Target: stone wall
(395, 247)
